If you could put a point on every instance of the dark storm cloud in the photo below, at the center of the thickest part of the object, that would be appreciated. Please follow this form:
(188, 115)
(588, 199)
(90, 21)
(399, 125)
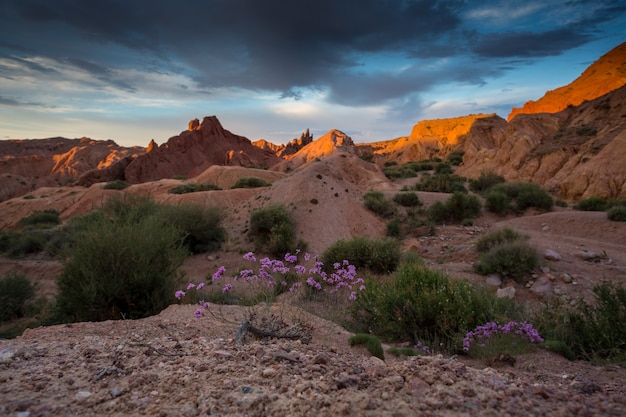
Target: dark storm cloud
(283, 46)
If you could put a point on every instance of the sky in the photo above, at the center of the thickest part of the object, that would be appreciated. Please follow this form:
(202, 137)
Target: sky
(132, 70)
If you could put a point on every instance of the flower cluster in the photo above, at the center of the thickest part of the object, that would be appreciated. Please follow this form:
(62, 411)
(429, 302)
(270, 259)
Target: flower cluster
(482, 334)
(421, 347)
(272, 272)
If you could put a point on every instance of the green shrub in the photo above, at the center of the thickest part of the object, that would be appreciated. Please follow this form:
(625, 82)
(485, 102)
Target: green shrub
(498, 237)
(192, 188)
(394, 228)
(591, 204)
(525, 195)
(202, 226)
(380, 256)
(121, 266)
(408, 170)
(407, 199)
(419, 304)
(616, 202)
(441, 183)
(456, 209)
(498, 202)
(510, 259)
(27, 242)
(250, 182)
(560, 203)
(273, 229)
(16, 291)
(593, 331)
(376, 202)
(41, 218)
(443, 168)
(617, 214)
(485, 181)
(403, 351)
(371, 343)
(116, 185)
(455, 157)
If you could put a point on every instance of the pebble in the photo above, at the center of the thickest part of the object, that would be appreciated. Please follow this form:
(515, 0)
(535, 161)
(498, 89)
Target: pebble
(269, 372)
(508, 292)
(552, 255)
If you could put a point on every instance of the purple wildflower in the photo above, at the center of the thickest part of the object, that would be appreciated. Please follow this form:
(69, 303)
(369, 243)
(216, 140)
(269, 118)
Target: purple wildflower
(179, 294)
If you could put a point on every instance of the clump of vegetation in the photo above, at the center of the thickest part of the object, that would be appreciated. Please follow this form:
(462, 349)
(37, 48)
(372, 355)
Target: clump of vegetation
(202, 226)
(409, 170)
(513, 259)
(491, 340)
(16, 292)
(273, 229)
(485, 181)
(376, 202)
(116, 185)
(193, 188)
(498, 237)
(380, 256)
(250, 182)
(30, 241)
(592, 203)
(525, 195)
(407, 199)
(617, 214)
(455, 157)
(419, 304)
(122, 265)
(48, 217)
(371, 343)
(442, 182)
(456, 209)
(498, 202)
(593, 331)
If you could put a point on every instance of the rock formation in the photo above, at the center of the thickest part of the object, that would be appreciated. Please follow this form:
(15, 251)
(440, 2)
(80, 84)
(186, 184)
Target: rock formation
(290, 148)
(606, 74)
(193, 151)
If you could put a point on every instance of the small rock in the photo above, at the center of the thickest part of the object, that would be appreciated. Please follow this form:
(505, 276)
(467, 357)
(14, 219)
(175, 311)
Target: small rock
(494, 280)
(567, 278)
(81, 395)
(269, 373)
(586, 255)
(377, 361)
(542, 286)
(552, 255)
(508, 292)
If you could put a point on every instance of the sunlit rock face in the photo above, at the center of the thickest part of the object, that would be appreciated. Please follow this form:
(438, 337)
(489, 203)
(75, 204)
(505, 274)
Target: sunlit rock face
(606, 74)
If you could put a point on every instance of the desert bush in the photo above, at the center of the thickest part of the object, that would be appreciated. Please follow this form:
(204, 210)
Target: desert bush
(273, 229)
(394, 228)
(376, 202)
(443, 169)
(525, 195)
(380, 256)
(41, 218)
(371, 343)
(250, 182)
(408, 170)
(498, 237)
(456, 209)
(193, 188)
(407, 199)
(510, 259)
(441, 183)
(418, 304)
(616, 202)
(16, 291)
(455, 157)
(116, 185)
(201, 225)
(617, 214)
(560, 203)
(593, 331)
(485, 181)
(592, 203)
(498, 202)
(122, 266)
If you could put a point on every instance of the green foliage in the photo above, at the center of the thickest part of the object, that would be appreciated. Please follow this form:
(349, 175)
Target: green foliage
(250, 182)
(498, 202)
(201, 225)
(394, 228)
(525, 195)
(455, 157)
(592, 203)
(116, 185)
(485, 181)
(121, 265)
(380, 256)
(456, 209)
(441, 183)
(273, 229)
(407, 199)
(560, 203)
(403, 351)
(513, 259)
(192, 188)
(16, 291)
(27, 242)
(376, 202)
(408, 170)
(591, 331)
(419, 304)
(617, 214)
(371, 343)
(498, 237)
(41, 218)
